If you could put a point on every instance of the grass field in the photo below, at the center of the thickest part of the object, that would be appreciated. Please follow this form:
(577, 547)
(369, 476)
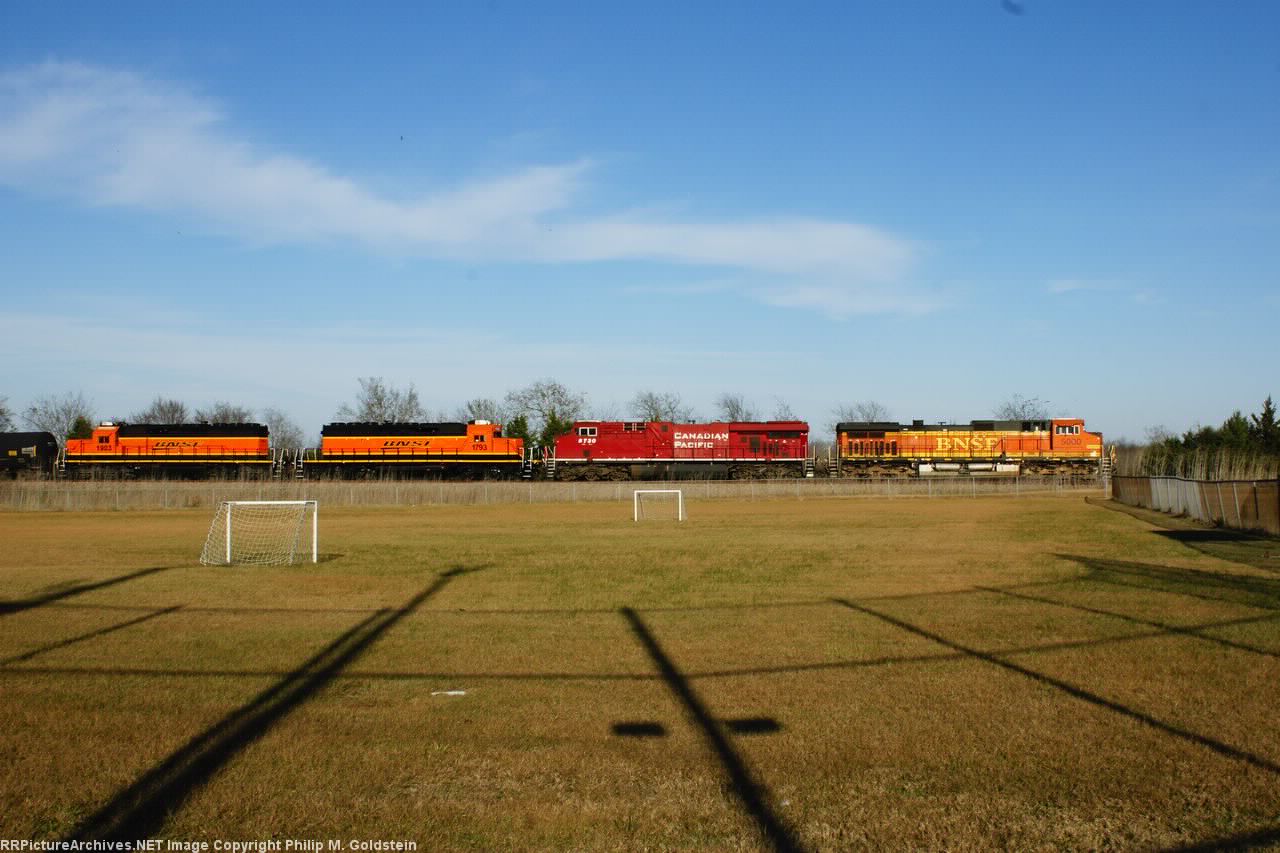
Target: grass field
(831, 674)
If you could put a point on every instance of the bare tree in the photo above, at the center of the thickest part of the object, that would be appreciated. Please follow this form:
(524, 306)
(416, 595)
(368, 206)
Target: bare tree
(860, 411)
(734, 407)
(609, 411)
(548, 406)
(162, 411)
(282, 430)
(867, 411)
(222, 412)
(58, 413)
(382, 403)
(6, 415)
(654, 406)
(782, 411)
(1020, 408)
(482, 409)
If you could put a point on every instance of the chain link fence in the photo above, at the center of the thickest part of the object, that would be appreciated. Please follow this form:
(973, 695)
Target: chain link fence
(107, 496)
(1239, 504)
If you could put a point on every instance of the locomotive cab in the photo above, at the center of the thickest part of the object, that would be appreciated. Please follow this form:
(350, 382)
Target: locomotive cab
(1071, 439)
(105, 439)
(482, 433)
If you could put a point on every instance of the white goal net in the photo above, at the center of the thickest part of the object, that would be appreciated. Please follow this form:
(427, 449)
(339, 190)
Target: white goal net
(262, 533)
(659, 504)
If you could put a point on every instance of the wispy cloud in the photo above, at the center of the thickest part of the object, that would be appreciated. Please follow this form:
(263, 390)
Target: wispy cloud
(1072, 285)
(1117, 288)
(121, 139)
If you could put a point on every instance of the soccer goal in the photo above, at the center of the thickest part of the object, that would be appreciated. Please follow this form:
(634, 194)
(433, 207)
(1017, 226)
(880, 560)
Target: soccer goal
(658, 504)
(262, 533)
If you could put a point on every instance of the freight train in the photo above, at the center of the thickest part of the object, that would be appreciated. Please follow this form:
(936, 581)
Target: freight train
(27, 454)
(590, 450)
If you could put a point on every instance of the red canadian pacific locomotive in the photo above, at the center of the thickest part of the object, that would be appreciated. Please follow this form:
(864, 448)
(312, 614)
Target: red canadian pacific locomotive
(656, 450)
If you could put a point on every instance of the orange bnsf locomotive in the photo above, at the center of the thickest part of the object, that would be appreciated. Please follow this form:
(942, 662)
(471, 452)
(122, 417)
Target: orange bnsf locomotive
(170, 450)
(475, 450)
(1038, 448)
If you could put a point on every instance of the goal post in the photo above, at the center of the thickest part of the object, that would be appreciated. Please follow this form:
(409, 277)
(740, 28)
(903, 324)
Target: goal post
(648, 498)
(262, 533)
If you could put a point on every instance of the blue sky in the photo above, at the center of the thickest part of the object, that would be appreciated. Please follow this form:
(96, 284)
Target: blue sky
(932, 205)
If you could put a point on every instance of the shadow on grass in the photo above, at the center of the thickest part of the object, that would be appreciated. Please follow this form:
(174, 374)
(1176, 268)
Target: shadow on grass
(639, 728)
(1256, 840)
(61, 644)
(1163, 627)
(552, 675)
(1221, 748)
(7, 607)
(1251, 590)
(1260, 552)
(753, 795)
(141, 809)
(1237, 546)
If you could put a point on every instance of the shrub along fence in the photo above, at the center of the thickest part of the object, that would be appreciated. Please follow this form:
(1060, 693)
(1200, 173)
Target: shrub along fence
(1241, 504)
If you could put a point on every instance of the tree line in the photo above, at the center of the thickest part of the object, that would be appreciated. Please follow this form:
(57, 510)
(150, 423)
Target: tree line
(544, 409)
(1256, 433)
(1242, 448)
(71, 415)
(537, 412)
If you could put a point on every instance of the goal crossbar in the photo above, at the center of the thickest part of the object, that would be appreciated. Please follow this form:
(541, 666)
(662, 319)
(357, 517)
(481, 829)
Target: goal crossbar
(261, 532)
(679, 495)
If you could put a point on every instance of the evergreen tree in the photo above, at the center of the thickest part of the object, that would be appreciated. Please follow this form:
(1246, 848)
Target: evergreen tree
(517, 427)
(1264, 432)
(1234, 434)
(81, 429)
(554, 425)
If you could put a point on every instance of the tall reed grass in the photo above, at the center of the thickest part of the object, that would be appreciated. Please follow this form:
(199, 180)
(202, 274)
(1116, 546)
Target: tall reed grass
(1221, 464)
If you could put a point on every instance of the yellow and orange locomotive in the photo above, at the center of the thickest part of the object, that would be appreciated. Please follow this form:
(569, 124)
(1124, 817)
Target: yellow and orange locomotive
(1036, 447)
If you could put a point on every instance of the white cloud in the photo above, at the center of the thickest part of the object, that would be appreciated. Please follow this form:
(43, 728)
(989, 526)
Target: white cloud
(120, 139)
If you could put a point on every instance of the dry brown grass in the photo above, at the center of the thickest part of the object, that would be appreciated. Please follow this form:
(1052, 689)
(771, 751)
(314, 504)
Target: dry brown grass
(1033, 673)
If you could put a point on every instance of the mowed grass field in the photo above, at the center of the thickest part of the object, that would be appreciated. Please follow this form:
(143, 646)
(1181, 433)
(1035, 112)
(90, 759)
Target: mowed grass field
(994, 673)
